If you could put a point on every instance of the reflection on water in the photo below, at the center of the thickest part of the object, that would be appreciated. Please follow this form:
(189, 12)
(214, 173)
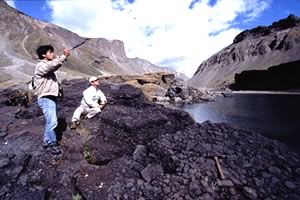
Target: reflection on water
(276, 116)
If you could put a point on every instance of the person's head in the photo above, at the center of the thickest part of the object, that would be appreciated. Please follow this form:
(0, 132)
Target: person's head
(45, 52)
(94, 81)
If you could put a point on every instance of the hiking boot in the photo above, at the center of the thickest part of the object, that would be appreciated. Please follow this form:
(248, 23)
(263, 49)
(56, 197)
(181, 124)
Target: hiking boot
(54, 149)
(73, 125)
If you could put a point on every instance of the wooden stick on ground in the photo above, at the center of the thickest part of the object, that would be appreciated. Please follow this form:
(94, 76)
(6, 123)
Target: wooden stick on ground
(219, 167)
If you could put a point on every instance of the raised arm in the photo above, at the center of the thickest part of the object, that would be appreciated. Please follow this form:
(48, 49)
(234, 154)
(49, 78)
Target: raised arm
(47, 67)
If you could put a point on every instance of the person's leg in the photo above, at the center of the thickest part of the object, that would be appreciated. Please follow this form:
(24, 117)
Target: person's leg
(49, 109)
(76, 116)
(77, 113)
(92, 112)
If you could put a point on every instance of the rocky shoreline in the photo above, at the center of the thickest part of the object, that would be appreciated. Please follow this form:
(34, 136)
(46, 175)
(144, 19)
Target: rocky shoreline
(266, 92)
(136, 149)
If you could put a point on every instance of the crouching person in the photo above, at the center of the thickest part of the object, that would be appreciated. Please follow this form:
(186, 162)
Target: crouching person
(91, 104)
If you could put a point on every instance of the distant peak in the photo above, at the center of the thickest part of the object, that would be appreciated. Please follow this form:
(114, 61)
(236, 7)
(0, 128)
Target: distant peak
(293, 17)
(289, 22)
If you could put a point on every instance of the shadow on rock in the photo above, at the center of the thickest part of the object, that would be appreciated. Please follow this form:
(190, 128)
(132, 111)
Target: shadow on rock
(61, 127)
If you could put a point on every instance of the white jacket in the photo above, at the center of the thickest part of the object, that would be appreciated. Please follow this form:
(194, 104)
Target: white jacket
(92, 97)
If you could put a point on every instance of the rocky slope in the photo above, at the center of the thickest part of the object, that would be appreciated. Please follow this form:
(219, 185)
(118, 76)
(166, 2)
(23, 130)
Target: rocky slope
(137, 150)
(20, 35)
(256, 49)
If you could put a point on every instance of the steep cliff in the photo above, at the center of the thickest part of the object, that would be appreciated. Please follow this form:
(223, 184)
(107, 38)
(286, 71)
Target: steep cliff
(257, 49)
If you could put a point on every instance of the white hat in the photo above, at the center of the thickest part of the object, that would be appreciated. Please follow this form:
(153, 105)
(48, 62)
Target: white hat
(93, 78)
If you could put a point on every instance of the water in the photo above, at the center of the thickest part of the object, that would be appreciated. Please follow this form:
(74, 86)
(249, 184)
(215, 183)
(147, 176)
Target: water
(275, 116)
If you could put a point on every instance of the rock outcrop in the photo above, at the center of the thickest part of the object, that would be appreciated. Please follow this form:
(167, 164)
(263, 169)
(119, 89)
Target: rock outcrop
(256, 49)
(20, 35)
(135, 149)
(180, 92)
(163, 88)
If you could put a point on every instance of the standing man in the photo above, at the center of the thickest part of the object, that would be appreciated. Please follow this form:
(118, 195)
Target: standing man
(91, 104)
(48, 90)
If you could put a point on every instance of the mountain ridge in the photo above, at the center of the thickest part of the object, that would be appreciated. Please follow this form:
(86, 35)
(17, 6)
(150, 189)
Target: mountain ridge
(256, 49)
(22, 34)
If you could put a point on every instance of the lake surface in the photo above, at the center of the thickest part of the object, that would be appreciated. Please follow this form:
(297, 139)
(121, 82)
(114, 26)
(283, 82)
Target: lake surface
(275, 116)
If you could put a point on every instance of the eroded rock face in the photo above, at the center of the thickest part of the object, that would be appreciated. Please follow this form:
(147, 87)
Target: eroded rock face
(256, 49)
(136, 149)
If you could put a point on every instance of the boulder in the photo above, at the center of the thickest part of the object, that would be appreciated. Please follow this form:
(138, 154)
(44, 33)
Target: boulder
(152, 90)
(180, 92)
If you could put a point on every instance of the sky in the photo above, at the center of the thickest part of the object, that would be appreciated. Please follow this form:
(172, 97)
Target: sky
(179, 34)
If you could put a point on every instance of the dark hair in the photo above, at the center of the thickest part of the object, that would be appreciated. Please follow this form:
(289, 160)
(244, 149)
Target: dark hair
(43, 50)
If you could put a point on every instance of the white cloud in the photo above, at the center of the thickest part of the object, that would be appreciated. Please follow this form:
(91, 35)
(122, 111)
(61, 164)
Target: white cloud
(164, 32)
(253, 9)
(11, 3)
